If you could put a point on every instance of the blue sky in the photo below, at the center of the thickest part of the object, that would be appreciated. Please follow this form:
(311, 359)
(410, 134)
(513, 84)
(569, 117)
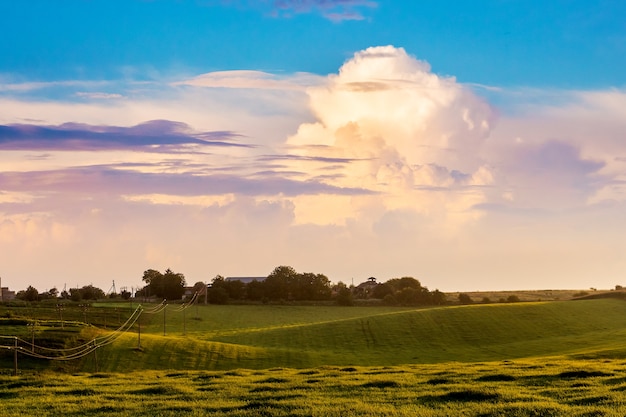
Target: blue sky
(563, 43)
(472, 145)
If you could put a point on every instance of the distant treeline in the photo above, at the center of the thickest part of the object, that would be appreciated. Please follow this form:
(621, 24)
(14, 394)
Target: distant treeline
(284, 284)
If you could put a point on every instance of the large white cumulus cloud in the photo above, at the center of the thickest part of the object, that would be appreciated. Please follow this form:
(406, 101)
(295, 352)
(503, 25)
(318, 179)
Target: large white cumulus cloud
(412, 136)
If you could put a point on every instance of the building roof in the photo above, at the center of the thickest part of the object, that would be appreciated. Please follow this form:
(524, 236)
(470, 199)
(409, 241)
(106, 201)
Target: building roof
(245, 280)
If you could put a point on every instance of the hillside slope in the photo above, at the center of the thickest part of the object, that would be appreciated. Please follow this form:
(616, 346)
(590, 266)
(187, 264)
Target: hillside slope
(381, 337)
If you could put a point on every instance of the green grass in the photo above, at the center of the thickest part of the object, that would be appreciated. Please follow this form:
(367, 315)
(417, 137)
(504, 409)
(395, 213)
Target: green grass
(523, 359)
(507, 388)
(260, 337)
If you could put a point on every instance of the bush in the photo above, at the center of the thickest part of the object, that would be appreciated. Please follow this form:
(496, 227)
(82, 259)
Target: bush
(465, 299)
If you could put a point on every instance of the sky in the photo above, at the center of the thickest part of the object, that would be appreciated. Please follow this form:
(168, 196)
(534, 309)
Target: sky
(471, 145)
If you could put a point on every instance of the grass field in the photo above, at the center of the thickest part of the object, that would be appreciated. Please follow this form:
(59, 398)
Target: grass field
(260, 337)
(565, 358)
(540, 387)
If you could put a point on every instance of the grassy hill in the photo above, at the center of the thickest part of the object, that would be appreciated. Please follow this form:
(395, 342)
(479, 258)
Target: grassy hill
(556, 359)
(265, 336)
(261, 337)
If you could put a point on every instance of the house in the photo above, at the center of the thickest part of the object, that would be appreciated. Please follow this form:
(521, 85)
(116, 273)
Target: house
(365, 289)
(245, 280)
(6, 294)
(190, 291)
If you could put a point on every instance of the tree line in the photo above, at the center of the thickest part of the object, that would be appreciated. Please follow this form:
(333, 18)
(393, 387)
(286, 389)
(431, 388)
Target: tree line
(87, 292)
(283, 284)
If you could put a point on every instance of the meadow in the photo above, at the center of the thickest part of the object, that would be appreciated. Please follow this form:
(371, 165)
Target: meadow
(564, 358)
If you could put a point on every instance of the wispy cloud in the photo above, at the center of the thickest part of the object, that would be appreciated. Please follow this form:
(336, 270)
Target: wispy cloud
(335, 10)
(256, 80)
(149, 136)
(114, 180)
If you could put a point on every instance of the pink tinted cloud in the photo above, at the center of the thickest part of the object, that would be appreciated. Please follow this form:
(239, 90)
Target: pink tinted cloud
(334, 10)
(79, 136)
(115, 181)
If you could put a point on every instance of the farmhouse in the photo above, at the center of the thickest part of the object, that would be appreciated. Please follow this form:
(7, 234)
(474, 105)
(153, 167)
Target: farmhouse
(364, 289)
(5, 293)
(246, 280)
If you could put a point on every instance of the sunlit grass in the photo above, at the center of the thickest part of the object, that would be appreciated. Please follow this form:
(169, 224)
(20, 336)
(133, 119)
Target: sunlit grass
(541, 387)
(259, 337)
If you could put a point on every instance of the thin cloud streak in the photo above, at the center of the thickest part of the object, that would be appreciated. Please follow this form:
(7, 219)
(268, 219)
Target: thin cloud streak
(333, 10)
(111, 181)
(78, 136)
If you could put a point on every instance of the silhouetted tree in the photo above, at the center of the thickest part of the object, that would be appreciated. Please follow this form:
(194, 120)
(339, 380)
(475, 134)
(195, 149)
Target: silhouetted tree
(255, 291)
(464, 298)
(170, 285)
(218, 294)
(344, 295)
(29, 294)
(278, 284)
(438, 298)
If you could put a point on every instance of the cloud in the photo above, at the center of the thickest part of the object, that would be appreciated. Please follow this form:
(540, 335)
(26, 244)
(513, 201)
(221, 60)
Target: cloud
(257, 80)
(558, 150)
(149, 136)
(383, 168)
(117, 182)
(406, 131)
(99, 95)
(334, 10)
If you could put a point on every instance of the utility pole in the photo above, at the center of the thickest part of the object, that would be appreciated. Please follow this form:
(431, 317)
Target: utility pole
(15, 358)
(32, 339)
(60, 310)
(164, 308)
(139, 332)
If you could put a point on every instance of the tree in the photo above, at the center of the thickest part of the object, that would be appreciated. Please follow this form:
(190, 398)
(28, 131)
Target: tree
(407, 291)
(169, 285)
(405, 282)
(75, 294)
(236, 289)
(408, 296)
(464, 298)
(53, 292)
(438, 298)
(30, 294)
(255, 291)
(89, 292)
(217, 292)
(278, 283)
(382, 290)
(344, 295)
(199, 287)
(320, 287)
(154, 280)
